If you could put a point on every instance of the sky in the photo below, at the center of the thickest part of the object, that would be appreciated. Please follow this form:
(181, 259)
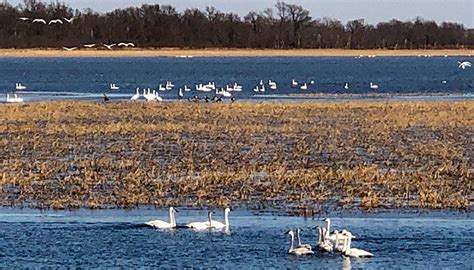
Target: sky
(373, 11)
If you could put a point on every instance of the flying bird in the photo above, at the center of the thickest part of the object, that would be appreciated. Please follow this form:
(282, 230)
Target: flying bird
(23, 19)
(70, 49)
(89, 45)
(109, 46)
(39, 21)
(123, 44)
(69, 20)
(55, 21)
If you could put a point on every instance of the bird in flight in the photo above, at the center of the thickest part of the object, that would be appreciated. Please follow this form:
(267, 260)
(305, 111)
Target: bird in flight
(39, 21)
(69, 20)
(70, 49)
(23, 19)
(123, 44)
(109, 46)
(55, 21)
(89, 45)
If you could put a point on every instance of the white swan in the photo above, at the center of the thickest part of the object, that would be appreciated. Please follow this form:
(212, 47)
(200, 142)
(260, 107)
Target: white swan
(272, 84)
(160, 224)
(24, 19)
(256, 89)
(180, 93)
(123, 44)
(304, 86)
(89, 45)
(346, 86)
(19, 86)
(157, 97)
(262, 89)
(298, 238)
(223, 92)
(169, 85)
(323, 244)
(299, 250)
(353, 252)
(374, 86)
(220, 225)
(237, 87)
(114, 87)
(186, 88)
(161, 88)
(464, 64)
(294, 83)
(205, 225)
(136, 96)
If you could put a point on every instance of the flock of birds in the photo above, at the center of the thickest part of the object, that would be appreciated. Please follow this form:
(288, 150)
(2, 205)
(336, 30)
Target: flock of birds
(328, 242)
(211, 87)
(63, 20)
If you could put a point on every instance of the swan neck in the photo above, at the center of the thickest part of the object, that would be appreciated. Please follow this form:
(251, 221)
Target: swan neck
(319, 235)
(298, 237)
(226, 219)
(292, 241)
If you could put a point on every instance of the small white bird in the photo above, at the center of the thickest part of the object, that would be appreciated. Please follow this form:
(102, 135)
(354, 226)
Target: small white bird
(70, 49)
(186, 88)
(346, 86)
(69, 20)
(180, 93)
(374, 86)
(89, 45)
(161, 88)
(464, 64)
(157, 97)
(55, 22)
(304, 87)
(109, 46)
(24, 19)
(39, 21)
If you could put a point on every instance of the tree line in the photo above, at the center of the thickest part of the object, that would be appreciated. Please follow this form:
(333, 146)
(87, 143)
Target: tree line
(285, 26)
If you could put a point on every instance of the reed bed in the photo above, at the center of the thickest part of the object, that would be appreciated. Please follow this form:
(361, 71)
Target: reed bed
(302, 158)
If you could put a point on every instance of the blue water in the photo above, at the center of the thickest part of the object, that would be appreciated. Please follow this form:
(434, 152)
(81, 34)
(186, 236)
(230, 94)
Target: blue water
(116, 238)
(88, 78)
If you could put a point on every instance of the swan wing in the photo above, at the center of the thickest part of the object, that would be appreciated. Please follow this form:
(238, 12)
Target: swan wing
(198, 225)
(303, 251)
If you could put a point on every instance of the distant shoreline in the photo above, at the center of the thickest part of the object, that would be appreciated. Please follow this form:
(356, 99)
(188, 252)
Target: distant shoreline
(185, 53)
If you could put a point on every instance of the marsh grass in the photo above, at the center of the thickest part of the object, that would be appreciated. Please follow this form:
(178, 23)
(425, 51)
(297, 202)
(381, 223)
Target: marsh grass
(297, 157)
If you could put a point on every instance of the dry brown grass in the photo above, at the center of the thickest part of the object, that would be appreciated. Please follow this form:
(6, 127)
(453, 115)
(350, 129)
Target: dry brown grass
(174, 52)
(298, 157)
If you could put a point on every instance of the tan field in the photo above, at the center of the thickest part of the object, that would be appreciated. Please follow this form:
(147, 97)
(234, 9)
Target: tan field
(170, 52)
(299, 158)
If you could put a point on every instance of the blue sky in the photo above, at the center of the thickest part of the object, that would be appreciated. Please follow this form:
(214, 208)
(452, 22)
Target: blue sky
(372, 10)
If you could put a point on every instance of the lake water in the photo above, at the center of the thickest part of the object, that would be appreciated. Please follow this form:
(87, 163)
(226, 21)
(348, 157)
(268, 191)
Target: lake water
(89, 78)
(117, 238)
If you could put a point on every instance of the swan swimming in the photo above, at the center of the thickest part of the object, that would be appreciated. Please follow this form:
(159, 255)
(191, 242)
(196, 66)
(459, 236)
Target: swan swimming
(298, 238)
(205, 225)
(114, 87)
(19, 86)
(160, 224)
(374, 86)
(298, 250)
(353, 252)
(346, 86)
(323, 244)
(220, 225)
(157, 97)
(304, 87)
(294, 83)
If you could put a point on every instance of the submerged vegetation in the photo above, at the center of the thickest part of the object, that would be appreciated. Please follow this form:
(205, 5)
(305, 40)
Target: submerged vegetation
(301, 158)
